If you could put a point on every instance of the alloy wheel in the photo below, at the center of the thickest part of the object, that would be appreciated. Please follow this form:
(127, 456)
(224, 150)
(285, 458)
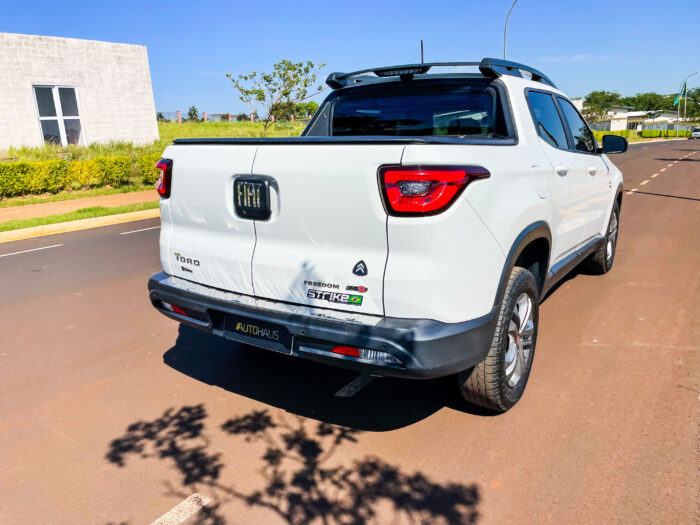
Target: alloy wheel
(612, 238)
(520, 333)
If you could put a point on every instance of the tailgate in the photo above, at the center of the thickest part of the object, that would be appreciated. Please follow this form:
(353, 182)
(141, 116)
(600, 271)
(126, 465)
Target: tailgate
(202, 240)
(327, 220)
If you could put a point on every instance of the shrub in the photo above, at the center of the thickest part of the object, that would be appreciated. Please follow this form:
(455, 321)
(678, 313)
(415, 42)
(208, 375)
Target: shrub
(84, 173)
(114, 171)
(147, 168)
(622, 133)
(20, 178)
(668, 133)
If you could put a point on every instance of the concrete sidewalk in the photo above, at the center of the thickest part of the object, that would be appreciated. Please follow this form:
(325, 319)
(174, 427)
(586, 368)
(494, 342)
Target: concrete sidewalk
(30, 211)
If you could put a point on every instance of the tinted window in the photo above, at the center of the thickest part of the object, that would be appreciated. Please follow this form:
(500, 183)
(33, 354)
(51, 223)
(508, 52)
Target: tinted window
(72, 130)
(49, 128)
(583, 138)
(420, 109)
(547, 119)
(69, 104)
(44, 100)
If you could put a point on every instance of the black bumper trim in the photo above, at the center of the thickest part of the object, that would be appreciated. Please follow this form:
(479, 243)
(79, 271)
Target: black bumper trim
(425, 348)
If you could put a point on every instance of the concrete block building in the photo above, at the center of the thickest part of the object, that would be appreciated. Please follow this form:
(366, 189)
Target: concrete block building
(70, 91)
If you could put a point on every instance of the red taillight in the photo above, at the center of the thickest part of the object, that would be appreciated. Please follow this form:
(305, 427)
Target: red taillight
(347, 350)
(165, 166)
(412, 190)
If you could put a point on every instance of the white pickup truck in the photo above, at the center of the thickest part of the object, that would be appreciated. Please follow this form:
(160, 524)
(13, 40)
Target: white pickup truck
(411, 231)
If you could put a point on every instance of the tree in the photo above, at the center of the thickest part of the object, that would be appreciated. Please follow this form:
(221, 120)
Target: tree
(242, 117)
(283, 110)
(693, 115)
(648, 102)
(160, 117)
(289, 82)
(598, 104)
(305, 109)
(193, 113)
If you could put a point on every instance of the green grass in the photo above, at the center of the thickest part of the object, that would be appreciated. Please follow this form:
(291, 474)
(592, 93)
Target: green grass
(168, 132)
(85, 213)
(172, 130)
(11, 202)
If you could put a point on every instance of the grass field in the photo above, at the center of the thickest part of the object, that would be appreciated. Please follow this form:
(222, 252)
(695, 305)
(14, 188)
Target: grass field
(168, 132)
(85, 213)
(172, 130)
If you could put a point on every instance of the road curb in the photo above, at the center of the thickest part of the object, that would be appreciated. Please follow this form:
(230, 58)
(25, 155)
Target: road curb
(80, 224)
(652, 141)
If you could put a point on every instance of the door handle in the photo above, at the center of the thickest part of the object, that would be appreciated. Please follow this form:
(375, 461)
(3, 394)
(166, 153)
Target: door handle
(561, 169)
(592, 170)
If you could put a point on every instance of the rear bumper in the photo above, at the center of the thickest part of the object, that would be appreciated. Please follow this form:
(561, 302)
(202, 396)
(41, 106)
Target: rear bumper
(424, 348)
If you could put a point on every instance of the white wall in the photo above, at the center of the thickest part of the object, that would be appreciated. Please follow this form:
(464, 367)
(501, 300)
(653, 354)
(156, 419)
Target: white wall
(113, 83)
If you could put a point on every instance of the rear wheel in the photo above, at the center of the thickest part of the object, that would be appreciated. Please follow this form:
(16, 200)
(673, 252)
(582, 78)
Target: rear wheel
(601, 260)
(498, 382)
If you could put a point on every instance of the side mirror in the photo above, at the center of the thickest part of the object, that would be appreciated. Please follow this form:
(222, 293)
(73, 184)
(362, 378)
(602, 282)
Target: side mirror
(614, 144)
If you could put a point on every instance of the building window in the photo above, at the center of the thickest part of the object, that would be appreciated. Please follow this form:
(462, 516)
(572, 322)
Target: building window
(58, 115)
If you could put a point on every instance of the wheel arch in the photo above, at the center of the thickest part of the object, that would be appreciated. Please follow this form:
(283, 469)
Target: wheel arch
(531, 248)
(618, 197)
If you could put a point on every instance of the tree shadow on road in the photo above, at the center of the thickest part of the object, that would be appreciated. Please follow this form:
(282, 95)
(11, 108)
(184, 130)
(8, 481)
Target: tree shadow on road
(307, 388)
(303, 479)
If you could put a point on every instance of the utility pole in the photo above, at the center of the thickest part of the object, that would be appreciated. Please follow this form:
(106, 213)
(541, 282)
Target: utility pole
(505, 30)
(685, 102)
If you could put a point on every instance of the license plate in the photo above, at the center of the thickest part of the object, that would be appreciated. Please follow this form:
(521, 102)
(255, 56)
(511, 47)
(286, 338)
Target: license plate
(272, 336)
(251, 198)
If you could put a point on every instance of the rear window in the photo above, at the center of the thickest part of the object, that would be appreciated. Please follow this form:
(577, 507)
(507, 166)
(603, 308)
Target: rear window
(419, 109)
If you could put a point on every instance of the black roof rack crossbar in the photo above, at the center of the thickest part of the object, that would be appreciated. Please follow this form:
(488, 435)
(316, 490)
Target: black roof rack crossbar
(489, 67)
(494, 67)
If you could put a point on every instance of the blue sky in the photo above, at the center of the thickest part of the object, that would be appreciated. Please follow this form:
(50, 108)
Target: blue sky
(627, 46)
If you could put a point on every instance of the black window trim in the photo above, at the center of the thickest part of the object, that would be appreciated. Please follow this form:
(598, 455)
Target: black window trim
(567, 133)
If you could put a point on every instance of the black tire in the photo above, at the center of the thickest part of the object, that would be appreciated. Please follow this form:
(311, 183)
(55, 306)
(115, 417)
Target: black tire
(599, 262)
(488, 384)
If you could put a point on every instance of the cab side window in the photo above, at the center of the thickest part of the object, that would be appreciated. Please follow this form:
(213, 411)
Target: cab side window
(583, 138)
(547, 120)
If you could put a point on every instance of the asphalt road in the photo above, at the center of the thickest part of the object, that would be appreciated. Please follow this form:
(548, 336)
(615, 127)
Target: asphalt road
(110, 413)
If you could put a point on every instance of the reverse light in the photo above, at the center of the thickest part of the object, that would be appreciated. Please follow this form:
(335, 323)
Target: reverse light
(366, 353)
(409, 190)
(165, 166)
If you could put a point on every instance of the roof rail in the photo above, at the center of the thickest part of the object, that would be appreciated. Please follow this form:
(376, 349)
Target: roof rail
(494, 67)
(489, 67)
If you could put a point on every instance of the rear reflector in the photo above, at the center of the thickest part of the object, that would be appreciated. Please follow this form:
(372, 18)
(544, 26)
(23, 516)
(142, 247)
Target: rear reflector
(174, 308)
(366, 353)
(413, 190)
(347, 350)
(165, 166)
